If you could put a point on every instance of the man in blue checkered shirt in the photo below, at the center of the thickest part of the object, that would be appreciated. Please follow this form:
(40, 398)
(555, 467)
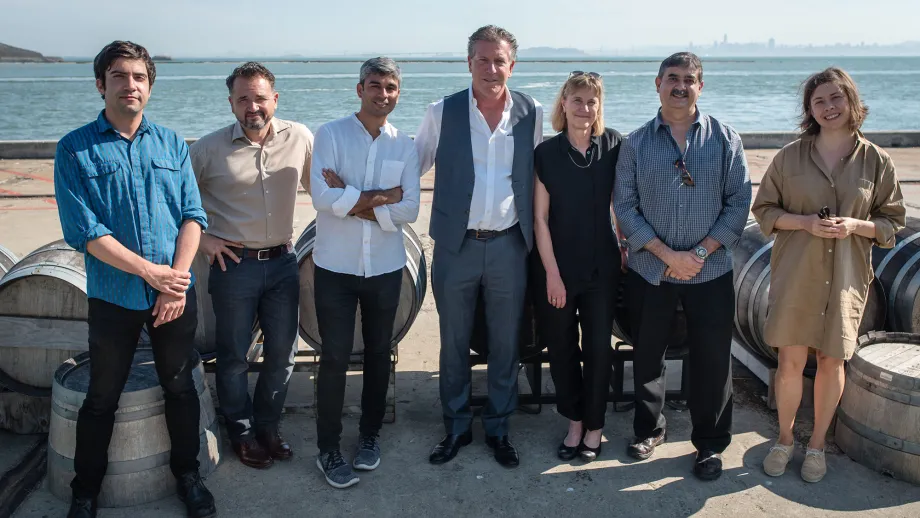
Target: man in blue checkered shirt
(681, 198)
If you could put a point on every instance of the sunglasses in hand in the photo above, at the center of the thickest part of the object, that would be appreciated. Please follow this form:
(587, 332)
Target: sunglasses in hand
(824, 213)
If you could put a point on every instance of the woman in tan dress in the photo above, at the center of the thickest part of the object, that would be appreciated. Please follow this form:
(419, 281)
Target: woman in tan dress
(821, 266)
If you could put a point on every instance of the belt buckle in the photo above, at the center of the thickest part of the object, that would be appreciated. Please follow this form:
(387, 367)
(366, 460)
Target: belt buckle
(260, 257)
(477, 234)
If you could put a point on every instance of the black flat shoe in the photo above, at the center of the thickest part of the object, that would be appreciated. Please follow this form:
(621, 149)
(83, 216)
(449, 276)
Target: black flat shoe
(505, 453)
(708, 465)
(447, 449)
(82, 507)
(568, 453)
(199, 502)
(587, 453)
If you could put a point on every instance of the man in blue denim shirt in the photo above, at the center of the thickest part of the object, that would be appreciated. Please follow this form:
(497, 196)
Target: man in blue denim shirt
(128, 200)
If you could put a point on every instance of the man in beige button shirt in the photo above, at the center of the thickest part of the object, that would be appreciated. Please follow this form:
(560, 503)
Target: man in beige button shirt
(247, 174)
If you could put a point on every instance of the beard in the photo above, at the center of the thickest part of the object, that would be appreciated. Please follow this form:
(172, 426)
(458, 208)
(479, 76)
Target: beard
(254, 121)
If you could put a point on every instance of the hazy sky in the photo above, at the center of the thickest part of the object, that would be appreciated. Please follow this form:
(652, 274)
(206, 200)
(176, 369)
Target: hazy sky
(310, 27)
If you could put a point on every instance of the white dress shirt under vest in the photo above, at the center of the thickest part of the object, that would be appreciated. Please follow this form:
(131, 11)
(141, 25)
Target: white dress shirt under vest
(348, 244)
(492, 207)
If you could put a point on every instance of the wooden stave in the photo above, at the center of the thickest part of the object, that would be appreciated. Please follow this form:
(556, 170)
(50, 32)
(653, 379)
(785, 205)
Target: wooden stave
(872, 394)
(414, 273)
(898, 270)
(146, 471)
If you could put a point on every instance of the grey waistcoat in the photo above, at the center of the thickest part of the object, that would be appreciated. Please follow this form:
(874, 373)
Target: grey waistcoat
(454, 177)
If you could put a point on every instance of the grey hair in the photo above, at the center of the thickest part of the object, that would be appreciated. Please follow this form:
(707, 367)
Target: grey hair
(492, 34)
(682, 60)
(382, 66)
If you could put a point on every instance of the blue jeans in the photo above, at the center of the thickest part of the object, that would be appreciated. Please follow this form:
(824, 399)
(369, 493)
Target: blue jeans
(270, 290)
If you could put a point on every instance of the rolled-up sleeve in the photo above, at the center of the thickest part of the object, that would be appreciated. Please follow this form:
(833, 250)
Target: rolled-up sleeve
(191, 196)
(888, 211)
(335, 201)
(78, 222)
(633, 224)
(768, 204)
(426, 140)
(736, 195)
(406, 210)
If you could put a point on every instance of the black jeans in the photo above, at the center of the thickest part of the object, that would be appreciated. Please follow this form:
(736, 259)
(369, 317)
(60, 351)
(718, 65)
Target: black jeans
(581, 392)
(337, 296)
(709, 308)
(113, 335)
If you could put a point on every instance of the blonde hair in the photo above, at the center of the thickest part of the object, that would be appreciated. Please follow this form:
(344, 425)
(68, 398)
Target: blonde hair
(573, 84)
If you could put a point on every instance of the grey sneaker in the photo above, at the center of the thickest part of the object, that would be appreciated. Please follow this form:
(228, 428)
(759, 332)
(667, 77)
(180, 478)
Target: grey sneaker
(338, 473)
(368, 456)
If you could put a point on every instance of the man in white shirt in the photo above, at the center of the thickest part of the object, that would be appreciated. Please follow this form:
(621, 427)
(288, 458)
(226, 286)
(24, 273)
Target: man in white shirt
(481, 142)
(365, 185)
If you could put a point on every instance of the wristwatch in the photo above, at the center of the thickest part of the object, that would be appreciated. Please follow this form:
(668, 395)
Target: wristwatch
(701, 252)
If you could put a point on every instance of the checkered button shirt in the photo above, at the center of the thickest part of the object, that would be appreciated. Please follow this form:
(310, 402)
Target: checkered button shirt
(650, 200)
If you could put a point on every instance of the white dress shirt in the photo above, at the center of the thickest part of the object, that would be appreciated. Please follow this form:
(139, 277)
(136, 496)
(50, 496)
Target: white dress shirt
(492, 207)
(348, 244)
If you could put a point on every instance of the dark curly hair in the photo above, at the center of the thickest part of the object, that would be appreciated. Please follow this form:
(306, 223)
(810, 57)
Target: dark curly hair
(122, 49)
(249, 70)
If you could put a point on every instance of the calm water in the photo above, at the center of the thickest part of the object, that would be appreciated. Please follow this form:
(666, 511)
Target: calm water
(45, 101)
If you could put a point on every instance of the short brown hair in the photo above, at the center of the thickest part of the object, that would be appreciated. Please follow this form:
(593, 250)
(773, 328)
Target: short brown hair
(492, 34)
(122, 49)
(858, 109)
(249, 70)
(577, 82)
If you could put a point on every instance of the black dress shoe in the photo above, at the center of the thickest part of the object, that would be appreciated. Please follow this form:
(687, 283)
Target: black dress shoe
(505, 453)
(587, 453)
(447, 449)
(568, 453)
(82, 507)
(644, 448)
(708, 465)
(199, 502)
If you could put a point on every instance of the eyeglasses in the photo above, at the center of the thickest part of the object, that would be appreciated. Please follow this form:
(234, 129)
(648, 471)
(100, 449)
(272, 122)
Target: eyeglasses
(685, 177)
(576, 73)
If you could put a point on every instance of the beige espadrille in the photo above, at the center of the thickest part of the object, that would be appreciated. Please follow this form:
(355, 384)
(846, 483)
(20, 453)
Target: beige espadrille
(814, 468)
(775, 462)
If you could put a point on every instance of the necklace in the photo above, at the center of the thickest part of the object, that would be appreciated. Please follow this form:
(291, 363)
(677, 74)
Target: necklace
(590, 159)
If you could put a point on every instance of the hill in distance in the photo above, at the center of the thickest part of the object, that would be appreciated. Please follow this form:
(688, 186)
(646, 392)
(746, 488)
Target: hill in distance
(11, 54)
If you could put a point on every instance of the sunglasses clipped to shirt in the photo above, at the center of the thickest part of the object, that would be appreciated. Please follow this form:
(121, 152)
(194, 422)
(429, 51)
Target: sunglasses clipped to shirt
(685, 177)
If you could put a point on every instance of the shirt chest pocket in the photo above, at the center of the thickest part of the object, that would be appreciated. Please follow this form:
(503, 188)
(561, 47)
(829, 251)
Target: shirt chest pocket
(391, 173)
(866, 188)
(102, 180)
(168, 180)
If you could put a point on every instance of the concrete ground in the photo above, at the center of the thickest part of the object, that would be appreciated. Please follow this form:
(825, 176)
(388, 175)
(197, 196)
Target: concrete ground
(473, 484)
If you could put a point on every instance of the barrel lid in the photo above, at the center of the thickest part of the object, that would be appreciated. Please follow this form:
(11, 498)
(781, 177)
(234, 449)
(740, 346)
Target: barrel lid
(892, 359)
(71, 380)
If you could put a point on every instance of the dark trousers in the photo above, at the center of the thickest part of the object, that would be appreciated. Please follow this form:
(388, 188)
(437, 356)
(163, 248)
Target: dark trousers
(709, 308)
(581, 392)
(497, 269)
(337, 296)
(113, 335)
(270, 290)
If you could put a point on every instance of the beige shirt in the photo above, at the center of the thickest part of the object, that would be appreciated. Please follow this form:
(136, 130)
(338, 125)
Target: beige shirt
(249, 191)
(818, 286)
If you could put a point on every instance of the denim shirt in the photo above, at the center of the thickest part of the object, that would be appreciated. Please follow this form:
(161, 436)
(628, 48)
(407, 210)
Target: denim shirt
(139, 192)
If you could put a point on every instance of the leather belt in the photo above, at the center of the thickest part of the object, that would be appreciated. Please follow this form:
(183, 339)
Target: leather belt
(263, 254)
(488, 234)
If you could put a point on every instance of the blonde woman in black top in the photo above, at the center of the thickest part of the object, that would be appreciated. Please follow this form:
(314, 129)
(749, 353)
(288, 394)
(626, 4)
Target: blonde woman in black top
(579, 258)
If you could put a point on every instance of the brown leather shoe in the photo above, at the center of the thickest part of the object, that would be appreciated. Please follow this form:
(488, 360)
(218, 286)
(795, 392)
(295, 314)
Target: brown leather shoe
(644, 448)
(276, 446)
(252, 454)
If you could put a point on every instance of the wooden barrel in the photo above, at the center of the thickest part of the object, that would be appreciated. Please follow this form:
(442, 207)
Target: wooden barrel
(412, 293)
(206, 333)
(878, 421)
(898, 270)
(138, 469)
(7, 260)
(43, 310)
(751, 261)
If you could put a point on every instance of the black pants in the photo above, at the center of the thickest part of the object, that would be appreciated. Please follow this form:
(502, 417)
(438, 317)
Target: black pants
(709, 308)
(581, 392)
(337, 296)
(113, 335)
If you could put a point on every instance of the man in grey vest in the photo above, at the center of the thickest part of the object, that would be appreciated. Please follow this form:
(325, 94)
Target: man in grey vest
(481, 142)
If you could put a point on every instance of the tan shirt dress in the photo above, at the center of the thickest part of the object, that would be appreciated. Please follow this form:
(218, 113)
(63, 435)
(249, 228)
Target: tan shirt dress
(818, 286)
